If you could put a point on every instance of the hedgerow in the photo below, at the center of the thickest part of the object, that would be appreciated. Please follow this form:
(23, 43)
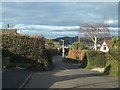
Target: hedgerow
(95, 59)
(23, 48)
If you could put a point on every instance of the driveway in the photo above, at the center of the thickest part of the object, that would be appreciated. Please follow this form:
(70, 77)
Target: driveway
(70, 76)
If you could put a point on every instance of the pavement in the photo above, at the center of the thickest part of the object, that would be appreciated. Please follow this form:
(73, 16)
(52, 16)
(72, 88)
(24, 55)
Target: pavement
(70, 76)
(14, 78)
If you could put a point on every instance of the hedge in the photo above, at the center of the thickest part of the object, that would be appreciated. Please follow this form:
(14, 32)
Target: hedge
(21, 48)
(95, 59)
(112, 66)
(110, 61)
(113, 62)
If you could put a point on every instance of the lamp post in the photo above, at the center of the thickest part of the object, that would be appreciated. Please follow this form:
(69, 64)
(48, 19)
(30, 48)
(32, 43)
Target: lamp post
(63, 50)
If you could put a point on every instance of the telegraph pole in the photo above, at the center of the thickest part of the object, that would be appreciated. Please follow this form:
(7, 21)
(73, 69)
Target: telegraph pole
(63, 50)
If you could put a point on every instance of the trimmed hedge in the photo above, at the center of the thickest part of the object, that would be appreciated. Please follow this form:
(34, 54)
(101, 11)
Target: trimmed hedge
(113, 60)
(23, 48)
(112, 66)
(95, 59)
(110, 61)
(115, 53)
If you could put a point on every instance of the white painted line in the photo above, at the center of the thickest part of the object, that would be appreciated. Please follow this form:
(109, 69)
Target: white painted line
(25, 81)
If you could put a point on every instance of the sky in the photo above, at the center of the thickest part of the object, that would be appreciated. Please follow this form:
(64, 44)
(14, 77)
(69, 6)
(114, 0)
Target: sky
(57, 19)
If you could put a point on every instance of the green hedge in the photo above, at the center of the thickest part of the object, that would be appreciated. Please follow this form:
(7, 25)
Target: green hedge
(95, 59)
(115, 52)
(113, 60)
(110, 61)
(23, 47)
(112, 66)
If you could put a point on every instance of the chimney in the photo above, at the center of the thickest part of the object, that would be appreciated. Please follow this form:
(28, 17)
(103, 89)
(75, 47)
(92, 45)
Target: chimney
(8, 26)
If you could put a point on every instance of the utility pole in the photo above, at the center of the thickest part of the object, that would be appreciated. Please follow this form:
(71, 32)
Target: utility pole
(63, 50)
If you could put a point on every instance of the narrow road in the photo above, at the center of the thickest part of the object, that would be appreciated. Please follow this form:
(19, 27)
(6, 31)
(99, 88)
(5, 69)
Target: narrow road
(70, 76)
(13, 78)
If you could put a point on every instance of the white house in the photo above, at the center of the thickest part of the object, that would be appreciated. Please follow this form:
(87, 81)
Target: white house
(104, 47)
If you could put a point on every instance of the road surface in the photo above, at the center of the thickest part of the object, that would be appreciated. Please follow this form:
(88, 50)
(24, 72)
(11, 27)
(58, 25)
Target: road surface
(70, 76)
(14, 78)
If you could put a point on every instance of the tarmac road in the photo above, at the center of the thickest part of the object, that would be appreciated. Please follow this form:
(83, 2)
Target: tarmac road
(70, 76)
(14, 78)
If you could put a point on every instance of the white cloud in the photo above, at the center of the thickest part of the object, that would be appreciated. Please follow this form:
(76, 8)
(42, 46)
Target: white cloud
(111, 22)
(39, 27)
(54, 31)
(114, 28)
(0, 24)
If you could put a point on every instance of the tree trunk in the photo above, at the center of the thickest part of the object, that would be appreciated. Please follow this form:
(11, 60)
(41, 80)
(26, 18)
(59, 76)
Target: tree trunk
(95, 44)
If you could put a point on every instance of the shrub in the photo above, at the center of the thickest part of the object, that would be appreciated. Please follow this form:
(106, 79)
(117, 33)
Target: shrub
(115, 53)
(95, 59)
(114, 66)
(79, 45)
(23, 47)
(11, 65)
(51, 43)
(116, 41)
(84, 62)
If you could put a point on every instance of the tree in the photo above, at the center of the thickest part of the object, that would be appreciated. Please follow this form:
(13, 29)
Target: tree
(51, 43)
(79, 45)
(95, 31)
(116, 41)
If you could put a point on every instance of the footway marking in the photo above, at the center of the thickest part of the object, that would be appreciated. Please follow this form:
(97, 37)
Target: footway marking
(23, 84)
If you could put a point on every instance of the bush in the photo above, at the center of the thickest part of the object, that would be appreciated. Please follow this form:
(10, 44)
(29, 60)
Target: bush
(25, 65)
(51, 43)
(11, 65)
(116, 41)
(110, 61)
(95, 59)
(115, 53)
(114, 66)
(84, 62)
(50, 52)
(79, 45)
(25, 48)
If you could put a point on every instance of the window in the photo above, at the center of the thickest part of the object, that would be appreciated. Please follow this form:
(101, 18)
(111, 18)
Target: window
(104, 47)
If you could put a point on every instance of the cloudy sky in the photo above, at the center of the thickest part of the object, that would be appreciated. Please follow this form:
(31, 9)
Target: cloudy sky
(56, 19)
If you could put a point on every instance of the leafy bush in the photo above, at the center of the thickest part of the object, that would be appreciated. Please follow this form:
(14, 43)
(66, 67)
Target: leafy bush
(114, 63)
(11, 65)
(110, 61)
(95, 59)
(79, 45)
(84, 62)
(116, 41)
(115, 53)
(51, 43)
(23, 47)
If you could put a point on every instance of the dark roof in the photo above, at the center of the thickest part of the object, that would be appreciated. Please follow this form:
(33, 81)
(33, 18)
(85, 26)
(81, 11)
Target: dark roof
(109, 43)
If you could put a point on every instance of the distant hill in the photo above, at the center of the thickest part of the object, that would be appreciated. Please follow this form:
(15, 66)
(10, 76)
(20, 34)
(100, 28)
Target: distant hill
(70, 40)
